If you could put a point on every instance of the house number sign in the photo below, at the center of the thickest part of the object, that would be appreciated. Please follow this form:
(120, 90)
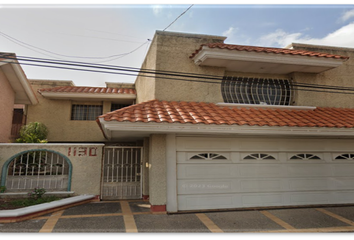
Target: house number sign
(82, 151)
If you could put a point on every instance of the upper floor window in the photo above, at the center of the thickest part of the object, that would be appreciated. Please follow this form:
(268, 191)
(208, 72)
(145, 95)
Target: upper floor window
(85, 112)
(116, 106)
(248, 90)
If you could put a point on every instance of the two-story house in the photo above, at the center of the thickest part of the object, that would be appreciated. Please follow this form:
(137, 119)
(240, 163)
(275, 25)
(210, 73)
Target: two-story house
(229, 126)
(206, 125)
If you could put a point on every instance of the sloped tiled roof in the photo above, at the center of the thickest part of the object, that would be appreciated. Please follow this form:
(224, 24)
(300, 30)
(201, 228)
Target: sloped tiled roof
(210, 113)
(268, 50)
(77, 89)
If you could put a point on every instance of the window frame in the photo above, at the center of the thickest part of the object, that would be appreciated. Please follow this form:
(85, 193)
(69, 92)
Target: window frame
(254, 90)
(88, 114)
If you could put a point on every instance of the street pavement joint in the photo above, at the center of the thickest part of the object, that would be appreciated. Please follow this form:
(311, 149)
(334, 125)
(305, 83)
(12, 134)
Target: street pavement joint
(50, 223)
(277, 220)
(209, 223)
(340, 218)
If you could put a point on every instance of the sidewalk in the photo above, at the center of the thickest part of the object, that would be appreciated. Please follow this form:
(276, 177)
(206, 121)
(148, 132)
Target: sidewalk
(135, 216)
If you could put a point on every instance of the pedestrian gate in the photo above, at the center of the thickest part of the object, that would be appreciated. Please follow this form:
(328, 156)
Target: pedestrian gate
(121, 177)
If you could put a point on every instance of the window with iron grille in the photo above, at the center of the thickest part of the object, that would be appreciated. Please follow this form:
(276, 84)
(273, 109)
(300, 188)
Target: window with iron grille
(116, 106)
(38, 169)
(85, 112)
(248, 90)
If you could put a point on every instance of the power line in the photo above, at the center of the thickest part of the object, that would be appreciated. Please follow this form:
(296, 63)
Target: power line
(23, 44)
(168, 75)
(178, 17)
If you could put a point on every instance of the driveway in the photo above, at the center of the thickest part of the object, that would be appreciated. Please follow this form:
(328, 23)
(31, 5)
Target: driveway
(135, 216)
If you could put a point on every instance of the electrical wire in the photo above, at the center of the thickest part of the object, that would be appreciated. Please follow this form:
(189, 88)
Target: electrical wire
(178, 17)
(23, 44)
(190, 77)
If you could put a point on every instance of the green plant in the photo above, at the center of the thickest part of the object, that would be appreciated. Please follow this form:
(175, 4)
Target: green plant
(30, 202)
(37, 193)
(2, 189)
(34, 132)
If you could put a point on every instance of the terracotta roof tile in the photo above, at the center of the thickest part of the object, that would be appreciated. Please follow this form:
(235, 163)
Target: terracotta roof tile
(77, 89)
(267, 50)
(209, 113)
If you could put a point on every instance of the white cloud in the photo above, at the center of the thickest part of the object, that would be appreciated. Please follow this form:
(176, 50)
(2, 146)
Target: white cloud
(229, 32)
(342, 37)
(347, 15)
(278, 38)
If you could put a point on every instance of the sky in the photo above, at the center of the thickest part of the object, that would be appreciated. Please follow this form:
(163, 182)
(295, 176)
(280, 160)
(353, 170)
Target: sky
(120, 35)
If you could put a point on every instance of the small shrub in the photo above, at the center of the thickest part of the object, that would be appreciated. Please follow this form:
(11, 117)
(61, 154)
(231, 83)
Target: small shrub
(2, 189)
(34, 132)
(19, 203)
(37, 193)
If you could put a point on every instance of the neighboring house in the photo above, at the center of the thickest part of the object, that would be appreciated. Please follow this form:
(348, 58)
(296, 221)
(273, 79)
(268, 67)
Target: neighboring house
(14, 89)
(229, 126)
(70, 111)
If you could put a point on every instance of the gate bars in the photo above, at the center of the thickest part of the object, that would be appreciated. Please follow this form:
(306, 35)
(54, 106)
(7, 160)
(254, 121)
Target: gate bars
(121, 172)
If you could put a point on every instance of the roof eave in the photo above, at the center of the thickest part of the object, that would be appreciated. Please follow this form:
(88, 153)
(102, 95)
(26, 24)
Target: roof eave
(223, 57)
(113, 128)
(20, 83)
(96, 96)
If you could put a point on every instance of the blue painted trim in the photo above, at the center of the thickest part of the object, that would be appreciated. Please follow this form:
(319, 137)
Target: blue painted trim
(7, 163)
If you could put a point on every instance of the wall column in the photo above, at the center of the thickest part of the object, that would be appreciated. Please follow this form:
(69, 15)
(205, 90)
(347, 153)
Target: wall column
(145, 168)
(157, 172)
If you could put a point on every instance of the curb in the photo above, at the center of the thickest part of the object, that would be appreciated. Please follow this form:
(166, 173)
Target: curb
(21, 214)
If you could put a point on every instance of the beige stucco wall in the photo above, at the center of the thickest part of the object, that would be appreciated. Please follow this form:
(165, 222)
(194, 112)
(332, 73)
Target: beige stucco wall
(7, 98)
(86, 174)
(157, 169)
(56, 114)
(340, 76)
(144, 83)
(170, 52)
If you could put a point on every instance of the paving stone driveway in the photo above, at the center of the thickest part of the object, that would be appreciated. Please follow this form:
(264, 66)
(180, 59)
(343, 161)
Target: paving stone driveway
(135, 216)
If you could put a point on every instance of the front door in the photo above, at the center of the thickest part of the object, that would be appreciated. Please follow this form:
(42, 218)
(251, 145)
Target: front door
(121, 177)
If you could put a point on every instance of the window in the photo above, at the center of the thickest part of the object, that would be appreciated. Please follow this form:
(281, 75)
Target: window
(256, 91)
(116, 106)
(305, 156)
(208, 156)
(85, 112)
(259, 156)
(347, 156)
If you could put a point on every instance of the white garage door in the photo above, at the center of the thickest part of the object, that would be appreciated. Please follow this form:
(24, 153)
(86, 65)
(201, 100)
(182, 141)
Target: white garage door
(219, 173)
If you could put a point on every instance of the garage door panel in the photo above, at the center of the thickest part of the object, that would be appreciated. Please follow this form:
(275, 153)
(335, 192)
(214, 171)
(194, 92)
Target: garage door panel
(343, 197)
(342, 183)
(343, 169)
(309, 170)
(260, 170)
(310, 198)
(206, 171)
(251, 200)
(264, 185)
(205, 202)
(210, 186)
(207, 186)
(309, 184)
